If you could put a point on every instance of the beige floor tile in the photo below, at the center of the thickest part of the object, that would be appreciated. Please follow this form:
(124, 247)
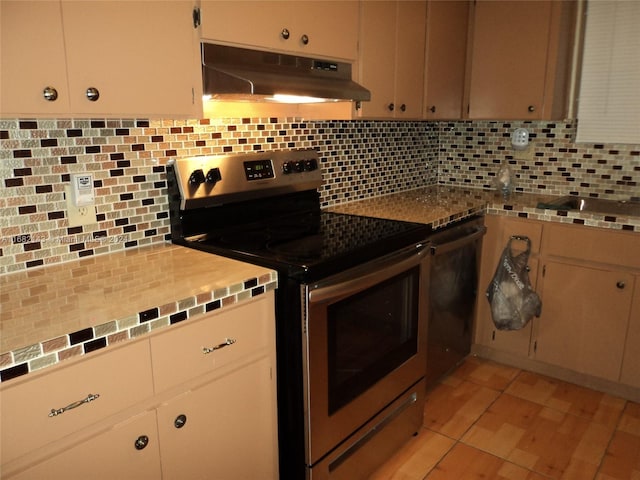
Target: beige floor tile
(467, 463)
(548, 441)
(486, 373)
(416, 458)
(455, 404)
(567, 397)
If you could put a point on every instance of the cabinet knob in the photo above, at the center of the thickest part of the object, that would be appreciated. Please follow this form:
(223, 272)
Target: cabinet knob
(180, 421)
(304, 39)
(531, 108)
(141, 442)
(403, 108)
(50, 94)
(92, 94)
(391, 107)
(620, 285)
(285, 34)
(433, 109)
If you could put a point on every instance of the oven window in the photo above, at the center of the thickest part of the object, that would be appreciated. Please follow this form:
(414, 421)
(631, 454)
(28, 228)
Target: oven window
(370, 334)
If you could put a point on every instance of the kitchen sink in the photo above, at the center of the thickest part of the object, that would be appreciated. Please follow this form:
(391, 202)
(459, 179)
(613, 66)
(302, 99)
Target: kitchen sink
(595, 205)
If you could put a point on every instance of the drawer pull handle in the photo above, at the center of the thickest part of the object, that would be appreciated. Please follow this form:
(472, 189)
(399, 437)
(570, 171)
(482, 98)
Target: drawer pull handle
(226, 343)
(89, 398)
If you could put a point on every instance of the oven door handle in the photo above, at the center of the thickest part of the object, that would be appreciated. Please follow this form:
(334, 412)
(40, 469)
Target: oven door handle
(373, 273)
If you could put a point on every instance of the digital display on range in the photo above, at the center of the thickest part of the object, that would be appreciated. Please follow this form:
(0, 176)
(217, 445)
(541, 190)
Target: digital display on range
(258, 169)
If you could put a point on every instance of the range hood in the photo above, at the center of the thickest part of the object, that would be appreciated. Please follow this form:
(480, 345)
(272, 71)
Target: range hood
(231, 73)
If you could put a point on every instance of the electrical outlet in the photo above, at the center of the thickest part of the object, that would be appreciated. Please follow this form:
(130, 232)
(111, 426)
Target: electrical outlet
(78, 216)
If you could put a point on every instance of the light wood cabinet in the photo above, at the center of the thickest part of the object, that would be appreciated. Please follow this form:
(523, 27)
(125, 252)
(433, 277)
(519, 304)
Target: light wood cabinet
(630, 374)
(446, 58)
(499, 231)
(327, 29)
(584, 319)
(391, 58)
(520, 59)
(118, 48)
(164, 405)
(108, 455)
(589, 282)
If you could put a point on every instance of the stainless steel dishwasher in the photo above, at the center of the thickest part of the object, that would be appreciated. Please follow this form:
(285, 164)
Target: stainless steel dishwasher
(452, 295)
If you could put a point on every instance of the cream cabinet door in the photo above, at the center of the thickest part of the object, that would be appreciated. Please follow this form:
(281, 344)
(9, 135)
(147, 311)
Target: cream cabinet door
(32, 58)
(446, 57)
(391, 58)
(630, 374)
(129, 450)
(226, 429)
(311, 27)
(585, 313)
(141, 56)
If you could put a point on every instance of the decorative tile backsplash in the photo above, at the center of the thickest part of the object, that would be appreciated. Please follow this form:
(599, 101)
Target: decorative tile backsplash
(360, 159)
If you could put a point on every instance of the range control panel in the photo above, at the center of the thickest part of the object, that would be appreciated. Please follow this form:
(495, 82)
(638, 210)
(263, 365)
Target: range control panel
(215, 179)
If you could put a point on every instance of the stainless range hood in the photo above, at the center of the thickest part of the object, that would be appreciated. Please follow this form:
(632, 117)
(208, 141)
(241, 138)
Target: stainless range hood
(231, 73)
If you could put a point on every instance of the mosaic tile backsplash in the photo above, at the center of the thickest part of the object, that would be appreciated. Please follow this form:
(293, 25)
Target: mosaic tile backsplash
(360, 159)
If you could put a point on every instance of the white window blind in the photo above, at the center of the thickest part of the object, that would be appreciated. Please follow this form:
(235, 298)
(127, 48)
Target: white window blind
(609, 95)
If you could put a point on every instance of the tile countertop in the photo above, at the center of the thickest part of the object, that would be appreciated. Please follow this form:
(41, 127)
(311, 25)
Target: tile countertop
(439, 206)
(64, 310)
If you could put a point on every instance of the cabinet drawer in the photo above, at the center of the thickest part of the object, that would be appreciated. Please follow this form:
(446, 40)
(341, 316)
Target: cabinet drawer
(179, 354)
(120, 376)
(593, 245)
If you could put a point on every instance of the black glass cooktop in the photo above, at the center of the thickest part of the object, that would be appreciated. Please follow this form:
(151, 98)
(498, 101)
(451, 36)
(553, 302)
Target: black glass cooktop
(313, 244)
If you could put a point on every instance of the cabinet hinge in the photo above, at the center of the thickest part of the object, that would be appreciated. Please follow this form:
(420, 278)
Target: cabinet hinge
(493, 335)
(196, 17)
(535, 346)
(544, 270)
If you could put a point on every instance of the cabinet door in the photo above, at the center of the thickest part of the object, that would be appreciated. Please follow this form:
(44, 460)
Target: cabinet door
(499, 230)
(31, 58)
(509, 55)
(630, 374)
(227, 428)
(409, 74)
(107, 456)
(377, 56)
(125, 51)
(447, 25)
(119, 375)
(585, 313)
(331, 27)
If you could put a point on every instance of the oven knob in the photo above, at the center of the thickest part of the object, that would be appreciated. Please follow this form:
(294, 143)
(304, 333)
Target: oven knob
(299, 166)
(287, 168)
(196, 178)
(213, 176)
(310, 164)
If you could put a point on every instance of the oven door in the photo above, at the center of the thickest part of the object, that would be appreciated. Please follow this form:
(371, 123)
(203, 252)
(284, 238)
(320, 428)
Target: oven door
(364, 344)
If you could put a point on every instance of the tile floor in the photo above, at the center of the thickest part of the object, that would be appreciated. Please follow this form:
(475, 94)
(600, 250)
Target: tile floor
(493, 422)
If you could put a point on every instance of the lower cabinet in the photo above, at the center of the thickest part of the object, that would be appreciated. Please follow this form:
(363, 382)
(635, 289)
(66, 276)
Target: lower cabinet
(128, 450)
(584, 319)
(589, 282)
(214, 414)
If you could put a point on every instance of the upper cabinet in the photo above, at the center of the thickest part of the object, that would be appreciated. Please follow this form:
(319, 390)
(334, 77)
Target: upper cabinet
(520, 59)
(447, 25)
(391, 58)
(99, 58)
(326, 29)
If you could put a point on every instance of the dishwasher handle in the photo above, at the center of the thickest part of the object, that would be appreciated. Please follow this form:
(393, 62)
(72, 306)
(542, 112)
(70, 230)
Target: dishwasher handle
(458, 242)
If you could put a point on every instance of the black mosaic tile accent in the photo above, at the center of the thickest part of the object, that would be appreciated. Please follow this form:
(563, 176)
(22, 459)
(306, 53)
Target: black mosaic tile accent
(94, 345)
(248, 284)
(147, 315)
(177, 317)
(34, 263)
(13, 182)
(81, 336)
(257, 291)
(22, 154)
(215, 305)
(14, 372)
(86, 253)
(74, 132)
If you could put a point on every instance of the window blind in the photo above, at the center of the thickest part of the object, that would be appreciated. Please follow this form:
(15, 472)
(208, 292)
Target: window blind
(609, 94)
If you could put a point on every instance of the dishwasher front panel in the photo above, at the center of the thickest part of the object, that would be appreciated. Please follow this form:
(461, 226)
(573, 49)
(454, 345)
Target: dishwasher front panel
(453, 291)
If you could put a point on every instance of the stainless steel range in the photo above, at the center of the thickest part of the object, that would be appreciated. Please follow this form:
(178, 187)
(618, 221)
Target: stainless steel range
(351, 304)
